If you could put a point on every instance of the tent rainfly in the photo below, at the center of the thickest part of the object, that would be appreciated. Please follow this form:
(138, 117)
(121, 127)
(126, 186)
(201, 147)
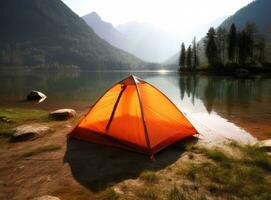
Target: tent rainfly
(134, 115)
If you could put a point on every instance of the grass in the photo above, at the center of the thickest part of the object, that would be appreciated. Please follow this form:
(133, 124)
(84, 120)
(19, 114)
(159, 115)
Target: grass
(243, 177)
(39, 150)
(108, 194)
(23, 115)
(176, 194)
(18, 116)
(218, 156)
(230, 172)
(149, 177)
(148, 193)
(256, 156)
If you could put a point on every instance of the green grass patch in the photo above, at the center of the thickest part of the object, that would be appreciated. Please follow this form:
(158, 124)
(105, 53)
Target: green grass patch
(39, 150)
(149, 177)
(244, 177)
(18, 116)
(218, 156)
(256, 156)
(22, 115)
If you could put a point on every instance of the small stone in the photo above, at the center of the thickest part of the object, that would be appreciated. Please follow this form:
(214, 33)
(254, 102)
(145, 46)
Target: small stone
(62, 114)
(46, 197)
(30, 131)
(266, 145)
(6, 120)
(36, 95)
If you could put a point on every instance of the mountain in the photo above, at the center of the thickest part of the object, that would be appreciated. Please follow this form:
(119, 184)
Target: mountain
(257, 12)
(106, 31)
(38, 32)
(142, 40)
(149, 42)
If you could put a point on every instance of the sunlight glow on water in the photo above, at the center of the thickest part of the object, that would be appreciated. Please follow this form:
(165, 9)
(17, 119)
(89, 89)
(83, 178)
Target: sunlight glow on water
(211, 126)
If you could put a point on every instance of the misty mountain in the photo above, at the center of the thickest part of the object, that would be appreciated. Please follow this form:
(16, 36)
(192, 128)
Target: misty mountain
(38, 32)
(106, 31)
(149, 42)
(142, 40)
(257, 12)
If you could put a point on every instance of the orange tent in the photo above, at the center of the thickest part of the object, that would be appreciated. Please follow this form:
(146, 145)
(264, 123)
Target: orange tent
(134, 115)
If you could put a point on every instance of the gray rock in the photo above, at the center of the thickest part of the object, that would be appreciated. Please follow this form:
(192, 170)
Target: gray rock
(266, 145)
(62, 114)
(36, 95)
(30, 131)
(46, 197)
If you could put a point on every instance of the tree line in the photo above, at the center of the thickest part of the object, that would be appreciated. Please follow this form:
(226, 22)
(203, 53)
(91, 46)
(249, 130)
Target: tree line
(188, 60)
(225, 49)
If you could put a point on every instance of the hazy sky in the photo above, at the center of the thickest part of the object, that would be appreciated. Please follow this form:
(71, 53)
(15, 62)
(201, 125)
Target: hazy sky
(169, 14)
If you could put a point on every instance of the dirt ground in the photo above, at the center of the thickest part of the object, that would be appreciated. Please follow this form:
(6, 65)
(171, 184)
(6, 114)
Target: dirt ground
(78, 169)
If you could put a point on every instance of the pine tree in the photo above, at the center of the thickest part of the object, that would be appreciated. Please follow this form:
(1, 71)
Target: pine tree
(189, 58)
(182, 57)
(250, 30)
(232, 43)
(221, 44)
(211, 48)
(261, 48)
(195, 54)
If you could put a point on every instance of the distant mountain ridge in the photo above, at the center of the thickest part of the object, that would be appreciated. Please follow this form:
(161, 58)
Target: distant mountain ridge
(38, 32)
(142, 40)
(258, 12)
(106, 31)
(150, 43)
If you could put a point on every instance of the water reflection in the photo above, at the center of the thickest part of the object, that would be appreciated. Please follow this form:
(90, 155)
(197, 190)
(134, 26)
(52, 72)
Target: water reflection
(227, 99)
(212, 102)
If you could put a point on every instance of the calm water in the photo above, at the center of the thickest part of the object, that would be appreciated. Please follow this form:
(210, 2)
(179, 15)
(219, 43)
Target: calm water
(219, 107)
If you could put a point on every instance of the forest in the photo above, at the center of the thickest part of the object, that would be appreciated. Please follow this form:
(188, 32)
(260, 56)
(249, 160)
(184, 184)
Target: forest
(225, 50)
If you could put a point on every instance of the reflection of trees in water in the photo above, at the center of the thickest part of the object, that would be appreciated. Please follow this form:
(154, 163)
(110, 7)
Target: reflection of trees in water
(188, 86)
(227, 93)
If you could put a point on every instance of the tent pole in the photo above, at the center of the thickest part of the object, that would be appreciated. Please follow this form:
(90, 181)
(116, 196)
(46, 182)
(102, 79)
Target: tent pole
(143, 118)
(115, 107)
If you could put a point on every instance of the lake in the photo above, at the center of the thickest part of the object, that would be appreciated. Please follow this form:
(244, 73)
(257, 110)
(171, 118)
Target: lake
(218, 106)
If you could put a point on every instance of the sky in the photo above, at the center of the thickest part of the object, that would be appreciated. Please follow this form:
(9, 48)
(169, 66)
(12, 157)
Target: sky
(174, 15)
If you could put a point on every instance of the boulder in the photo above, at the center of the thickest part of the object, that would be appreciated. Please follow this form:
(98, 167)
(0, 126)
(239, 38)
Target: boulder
(30, 131)
(36, 95)
(46, 197)
(62, 114)
(266, 145)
